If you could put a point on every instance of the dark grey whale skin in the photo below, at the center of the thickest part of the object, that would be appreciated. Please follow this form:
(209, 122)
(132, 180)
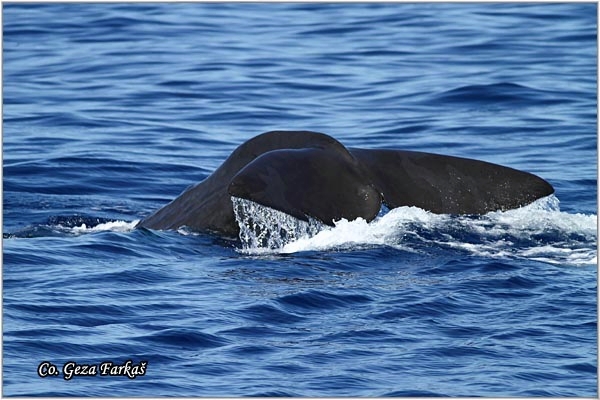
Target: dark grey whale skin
(310, 174)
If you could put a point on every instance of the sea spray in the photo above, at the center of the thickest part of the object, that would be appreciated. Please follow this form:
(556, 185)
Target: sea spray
(268, 229)
(539, 231)
(114, 226)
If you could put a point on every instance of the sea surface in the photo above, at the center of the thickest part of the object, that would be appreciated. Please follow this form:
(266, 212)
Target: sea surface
(111, 110)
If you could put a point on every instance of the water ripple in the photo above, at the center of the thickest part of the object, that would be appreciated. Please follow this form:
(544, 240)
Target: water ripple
(112, 110)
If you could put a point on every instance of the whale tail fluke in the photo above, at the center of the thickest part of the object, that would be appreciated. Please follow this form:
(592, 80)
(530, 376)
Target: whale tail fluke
(312, 175)
(449, 185)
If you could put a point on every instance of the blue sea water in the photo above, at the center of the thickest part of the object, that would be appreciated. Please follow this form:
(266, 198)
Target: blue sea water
(111, 110)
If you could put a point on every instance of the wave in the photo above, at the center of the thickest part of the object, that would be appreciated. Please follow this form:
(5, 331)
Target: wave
(538, 231)
(500, 93)
(72, 225)
(113, 226)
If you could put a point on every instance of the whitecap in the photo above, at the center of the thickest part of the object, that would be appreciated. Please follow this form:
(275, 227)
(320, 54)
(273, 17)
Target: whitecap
(114, 226)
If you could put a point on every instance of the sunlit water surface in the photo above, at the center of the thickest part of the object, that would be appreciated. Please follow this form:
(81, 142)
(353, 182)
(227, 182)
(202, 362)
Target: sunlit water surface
(111, 110)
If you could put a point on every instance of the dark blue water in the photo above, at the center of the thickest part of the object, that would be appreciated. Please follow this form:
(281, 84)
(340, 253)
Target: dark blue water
(111, 110)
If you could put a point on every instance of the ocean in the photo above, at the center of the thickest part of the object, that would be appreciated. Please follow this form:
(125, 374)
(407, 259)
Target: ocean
(110, 110)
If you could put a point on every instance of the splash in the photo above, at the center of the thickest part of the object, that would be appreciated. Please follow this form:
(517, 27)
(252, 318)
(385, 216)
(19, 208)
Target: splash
(114, 226)
(265, 228)
(539, 231)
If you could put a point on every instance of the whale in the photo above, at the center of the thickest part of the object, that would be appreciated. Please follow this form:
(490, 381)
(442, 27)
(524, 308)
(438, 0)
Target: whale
(312, 175)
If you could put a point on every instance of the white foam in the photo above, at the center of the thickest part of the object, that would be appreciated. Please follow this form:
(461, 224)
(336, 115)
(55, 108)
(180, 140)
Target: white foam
(539, 231)
(555, 255)
(114, 226)
(386, 230)
(544, 215)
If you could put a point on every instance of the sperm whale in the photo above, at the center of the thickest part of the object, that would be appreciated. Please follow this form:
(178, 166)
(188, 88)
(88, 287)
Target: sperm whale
(310, 174)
